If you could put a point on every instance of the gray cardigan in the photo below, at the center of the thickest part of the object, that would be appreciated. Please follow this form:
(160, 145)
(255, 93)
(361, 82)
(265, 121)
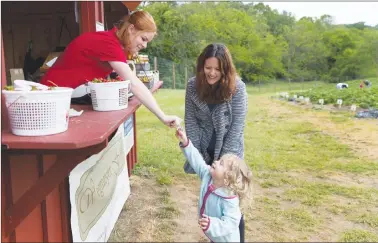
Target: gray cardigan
(228, 120)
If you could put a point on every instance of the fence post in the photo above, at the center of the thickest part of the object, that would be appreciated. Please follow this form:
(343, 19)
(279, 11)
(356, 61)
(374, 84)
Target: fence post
(186, 76)
(155, 64)
(173, 76)
(259, 85)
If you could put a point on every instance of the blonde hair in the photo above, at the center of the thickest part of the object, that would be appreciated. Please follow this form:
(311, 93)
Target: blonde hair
(141, 20)
(238, 175)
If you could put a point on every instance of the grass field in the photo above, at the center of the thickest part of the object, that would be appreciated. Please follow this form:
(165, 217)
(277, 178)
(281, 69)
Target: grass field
(309, 184)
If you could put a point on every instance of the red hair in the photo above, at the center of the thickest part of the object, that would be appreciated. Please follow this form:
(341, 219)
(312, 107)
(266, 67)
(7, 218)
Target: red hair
(142, 21)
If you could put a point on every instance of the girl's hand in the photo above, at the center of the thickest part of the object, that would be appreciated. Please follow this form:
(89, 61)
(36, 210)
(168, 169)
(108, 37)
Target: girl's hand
(171, 121)
(180, 134)
(204, 221)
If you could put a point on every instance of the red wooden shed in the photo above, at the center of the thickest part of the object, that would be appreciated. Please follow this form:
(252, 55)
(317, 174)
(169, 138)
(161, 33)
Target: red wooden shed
(34, 173)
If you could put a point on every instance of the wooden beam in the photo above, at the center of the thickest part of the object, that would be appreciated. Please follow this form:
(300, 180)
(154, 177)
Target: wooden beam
(3, 70)
(131, 5)
(90, 12)
(4, 111)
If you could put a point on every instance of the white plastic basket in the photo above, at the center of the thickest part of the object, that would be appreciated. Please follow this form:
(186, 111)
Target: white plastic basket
(110, 96)
(38, 113)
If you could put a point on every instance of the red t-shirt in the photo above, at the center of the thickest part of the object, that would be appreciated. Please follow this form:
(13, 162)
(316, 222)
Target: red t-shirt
(86, 58)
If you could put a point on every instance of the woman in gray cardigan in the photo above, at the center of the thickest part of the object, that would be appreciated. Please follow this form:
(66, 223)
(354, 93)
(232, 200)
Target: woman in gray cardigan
(215, 108)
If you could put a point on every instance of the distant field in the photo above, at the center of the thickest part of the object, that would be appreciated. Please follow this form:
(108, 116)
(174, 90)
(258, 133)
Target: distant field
(282, 86)
(364, 98)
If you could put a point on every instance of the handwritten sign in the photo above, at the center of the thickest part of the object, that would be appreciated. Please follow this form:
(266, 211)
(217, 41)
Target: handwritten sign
(99, 187)
(353, 107)
(339, 102)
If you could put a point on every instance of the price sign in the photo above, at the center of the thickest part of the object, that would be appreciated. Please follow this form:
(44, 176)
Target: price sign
(339, 102)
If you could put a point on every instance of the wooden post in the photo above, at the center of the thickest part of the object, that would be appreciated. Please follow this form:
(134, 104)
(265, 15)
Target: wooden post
(4, 82)
(173, 76)
(3, 70)
(90, 13)
(155, 64)
(259, 85)
(186, 76)
(131, 5)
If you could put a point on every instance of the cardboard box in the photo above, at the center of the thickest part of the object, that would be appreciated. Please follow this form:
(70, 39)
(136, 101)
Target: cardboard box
(16, 73)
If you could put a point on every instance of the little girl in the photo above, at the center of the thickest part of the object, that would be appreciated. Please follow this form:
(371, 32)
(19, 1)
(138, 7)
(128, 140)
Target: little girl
(223, 185)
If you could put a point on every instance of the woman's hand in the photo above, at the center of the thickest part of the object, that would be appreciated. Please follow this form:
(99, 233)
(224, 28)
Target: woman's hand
(171, 121)
(180, 134)
(143, 94)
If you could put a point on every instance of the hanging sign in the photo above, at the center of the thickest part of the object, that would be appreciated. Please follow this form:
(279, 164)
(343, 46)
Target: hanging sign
(99, 187)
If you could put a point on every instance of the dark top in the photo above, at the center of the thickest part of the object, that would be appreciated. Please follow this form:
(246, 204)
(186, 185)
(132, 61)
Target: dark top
(211, 147)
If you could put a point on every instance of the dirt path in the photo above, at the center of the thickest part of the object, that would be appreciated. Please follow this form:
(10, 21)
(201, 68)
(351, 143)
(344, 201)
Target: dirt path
(141, 224)
(186, 200)
(137, 223)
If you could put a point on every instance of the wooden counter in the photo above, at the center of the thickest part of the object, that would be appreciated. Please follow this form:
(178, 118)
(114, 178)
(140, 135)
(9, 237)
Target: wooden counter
(35, 170)
(91, 128)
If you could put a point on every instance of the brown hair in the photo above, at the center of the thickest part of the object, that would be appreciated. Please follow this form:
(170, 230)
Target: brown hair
(238, 175)
(142, 21)
(225, 88)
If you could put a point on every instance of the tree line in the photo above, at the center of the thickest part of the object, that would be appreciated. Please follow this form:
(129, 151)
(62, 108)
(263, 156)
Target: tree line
(264, 43)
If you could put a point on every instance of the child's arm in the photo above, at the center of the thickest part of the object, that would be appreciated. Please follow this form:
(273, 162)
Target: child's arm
(192, 154)
(228, 223)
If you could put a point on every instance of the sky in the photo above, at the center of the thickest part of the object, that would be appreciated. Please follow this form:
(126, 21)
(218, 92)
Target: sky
(342, 12)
